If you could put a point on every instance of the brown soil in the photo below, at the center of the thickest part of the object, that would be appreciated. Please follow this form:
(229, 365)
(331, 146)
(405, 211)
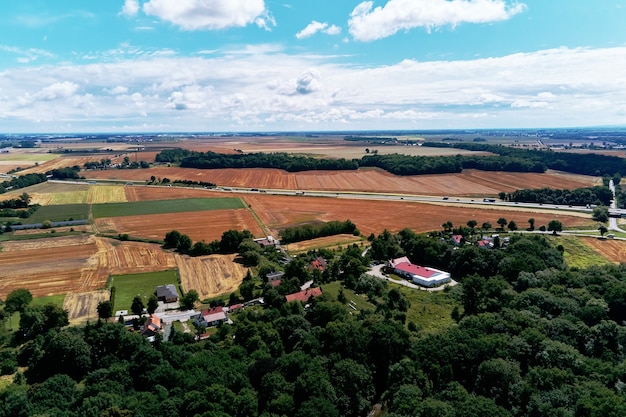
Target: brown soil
(199, 225)
(613, 250)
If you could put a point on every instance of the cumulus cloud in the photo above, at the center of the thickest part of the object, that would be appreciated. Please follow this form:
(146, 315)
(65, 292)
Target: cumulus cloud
(308, 83)
(210, 14)
(315, 27)
(130, 8)
(57, 90)
(367, 23)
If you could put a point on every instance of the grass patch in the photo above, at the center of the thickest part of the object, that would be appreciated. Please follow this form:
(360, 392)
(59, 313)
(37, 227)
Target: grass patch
(165, 206)
(430, 311)
(28, 157)
(178, 327)
(57, 300)
(577, 254)
(59, 213)
(360, 300)
(129, 285)
(10, 236)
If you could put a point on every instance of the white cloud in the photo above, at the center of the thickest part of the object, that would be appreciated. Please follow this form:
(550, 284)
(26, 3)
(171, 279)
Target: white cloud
(367, 23)
(210, 14)
(57, 90)
(275, 91)
(315, 27)
(130, 8)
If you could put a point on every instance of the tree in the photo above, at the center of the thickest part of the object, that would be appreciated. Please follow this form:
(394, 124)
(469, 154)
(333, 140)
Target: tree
(600, 214)
(137, 306)
(25, 198)
(188, 300)
(105, 309)
(447, 226)
(472, 224)
(555, 226)
(603, 230)
(502, 222)
(531, 224)
(184, 244)
(172, 238)
(486, 226)
(512, 226)
(153, 303)
(17, 300)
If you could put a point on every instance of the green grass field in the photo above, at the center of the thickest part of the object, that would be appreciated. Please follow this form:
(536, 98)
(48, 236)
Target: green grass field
(57, 300)
(59, 213)
(128, 286)
(577, 254)
(430, 311)
(165, 206)
(360, 300)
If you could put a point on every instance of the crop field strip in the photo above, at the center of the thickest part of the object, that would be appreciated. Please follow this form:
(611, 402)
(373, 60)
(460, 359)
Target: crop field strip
(164, 206)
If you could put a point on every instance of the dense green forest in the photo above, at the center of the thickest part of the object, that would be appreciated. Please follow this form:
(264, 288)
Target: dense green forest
(578, 197)
(531, 338)
(577, 163)
(395, 163)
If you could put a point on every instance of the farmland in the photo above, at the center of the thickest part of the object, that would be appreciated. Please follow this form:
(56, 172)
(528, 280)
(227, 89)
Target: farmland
(78, 266)
(164, 206)
(277, 212)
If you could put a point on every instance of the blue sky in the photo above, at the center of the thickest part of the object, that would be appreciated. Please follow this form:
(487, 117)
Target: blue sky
(265, 65)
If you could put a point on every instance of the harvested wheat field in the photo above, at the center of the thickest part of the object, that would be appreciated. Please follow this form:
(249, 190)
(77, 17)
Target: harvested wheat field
(148, 193)
(210, 275)
(82, 307)
(82, 264)
(323, 242)
(613, 250)
(100, 194)
(51, 193)
(278, 212)
(469, 182)
(198, 225)
(46, 266)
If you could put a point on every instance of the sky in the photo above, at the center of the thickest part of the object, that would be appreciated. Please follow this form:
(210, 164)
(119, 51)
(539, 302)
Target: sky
(126, 66)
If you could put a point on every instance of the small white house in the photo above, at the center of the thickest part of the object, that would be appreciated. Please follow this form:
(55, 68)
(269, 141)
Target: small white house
(421, 275)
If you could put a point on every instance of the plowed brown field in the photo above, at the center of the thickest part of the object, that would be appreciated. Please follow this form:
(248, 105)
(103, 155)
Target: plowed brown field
(277, 212)
(198, 225)
(613, 250)
(469, 182)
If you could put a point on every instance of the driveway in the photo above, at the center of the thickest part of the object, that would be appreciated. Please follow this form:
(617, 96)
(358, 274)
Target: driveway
(377, 271)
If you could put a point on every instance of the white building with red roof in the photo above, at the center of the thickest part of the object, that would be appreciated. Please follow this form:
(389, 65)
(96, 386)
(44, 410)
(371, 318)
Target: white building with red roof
(421, 275)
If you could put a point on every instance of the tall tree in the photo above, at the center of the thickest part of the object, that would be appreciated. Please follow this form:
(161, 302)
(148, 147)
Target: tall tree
(105, 309)
(137, 305)
(555, 226)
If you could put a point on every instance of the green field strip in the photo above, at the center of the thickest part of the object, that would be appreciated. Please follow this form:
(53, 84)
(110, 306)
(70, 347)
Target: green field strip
(58, 213)
(129, 285)
(165, 206)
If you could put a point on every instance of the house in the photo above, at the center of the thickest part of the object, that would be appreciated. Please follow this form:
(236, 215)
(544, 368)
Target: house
(304, 296)
(485, 243)
(211, 317)
(235, 307)
(275, 278)
(421, 275)
(267, 241)
(457, 240)
(167, 293)
(152, 326)
(319, 263)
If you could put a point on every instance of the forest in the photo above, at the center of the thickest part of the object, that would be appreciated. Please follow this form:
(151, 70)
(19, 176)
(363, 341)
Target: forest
(531, 337)
(578, 197)
(394, 163)
(314, 231)
(22, 182)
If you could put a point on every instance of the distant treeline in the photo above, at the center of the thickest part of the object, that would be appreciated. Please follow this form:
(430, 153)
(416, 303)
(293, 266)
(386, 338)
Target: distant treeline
(280, 160)
(67, 173)
(579, 197)
(22, 182)
(369, 139)
(393, 163)
(191, 183)
(585, 164)
(313, 231)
